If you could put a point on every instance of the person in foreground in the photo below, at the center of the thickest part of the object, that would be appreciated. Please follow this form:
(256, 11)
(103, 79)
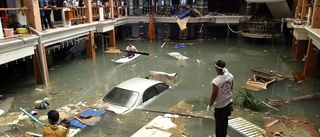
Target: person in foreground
(53, 129)
(129, 48)
(221, 98)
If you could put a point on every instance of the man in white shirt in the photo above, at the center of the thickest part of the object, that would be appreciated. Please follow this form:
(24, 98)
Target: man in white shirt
(221, 98)
(131, 48)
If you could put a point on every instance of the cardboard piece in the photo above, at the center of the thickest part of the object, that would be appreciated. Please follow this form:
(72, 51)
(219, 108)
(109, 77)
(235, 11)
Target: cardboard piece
(290, 126)
(155, 128)
(258, 83)
(177, 55)
(162, 76)
(5, 105)
(7, 121)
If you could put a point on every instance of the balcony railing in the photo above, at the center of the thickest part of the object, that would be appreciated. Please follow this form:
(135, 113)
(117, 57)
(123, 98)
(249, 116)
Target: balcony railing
(265, 29)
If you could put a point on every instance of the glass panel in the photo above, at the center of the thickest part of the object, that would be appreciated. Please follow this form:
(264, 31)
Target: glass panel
(149, 93)
(122, 97)
(161, 87)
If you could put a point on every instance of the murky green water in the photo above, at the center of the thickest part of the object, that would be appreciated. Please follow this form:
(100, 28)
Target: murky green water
(89, 80)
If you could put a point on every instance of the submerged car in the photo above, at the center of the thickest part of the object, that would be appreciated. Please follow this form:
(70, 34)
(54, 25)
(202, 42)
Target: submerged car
(133, 93)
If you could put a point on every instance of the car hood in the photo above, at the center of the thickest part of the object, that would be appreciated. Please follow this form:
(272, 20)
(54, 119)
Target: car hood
(117, 109)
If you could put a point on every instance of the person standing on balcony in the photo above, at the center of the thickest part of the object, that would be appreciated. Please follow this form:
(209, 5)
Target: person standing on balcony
(51, 4)
(81, 3)
(76, 3)
(68, 3)
(42, 4)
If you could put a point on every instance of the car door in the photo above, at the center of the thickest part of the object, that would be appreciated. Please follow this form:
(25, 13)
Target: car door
(153, 91)
(149, 93)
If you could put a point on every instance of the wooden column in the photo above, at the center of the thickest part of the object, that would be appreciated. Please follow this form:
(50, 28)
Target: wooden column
(311, 62)
(294, 44)
(304, 11)
(37, 65)
(299, 47)
(315, 23)
(298, 10)
(34, 21)
(112, 38)
(33, 14)
(91, 53)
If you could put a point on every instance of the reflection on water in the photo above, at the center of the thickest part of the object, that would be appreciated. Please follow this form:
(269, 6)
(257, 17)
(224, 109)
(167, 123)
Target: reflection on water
(89, 80)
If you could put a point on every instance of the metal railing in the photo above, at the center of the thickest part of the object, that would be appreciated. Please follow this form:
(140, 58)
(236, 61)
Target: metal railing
(261, 27)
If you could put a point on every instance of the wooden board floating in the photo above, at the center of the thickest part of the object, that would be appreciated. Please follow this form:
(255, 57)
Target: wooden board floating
(126, 59)
(290, 126)
(245, 127)
(299, 76)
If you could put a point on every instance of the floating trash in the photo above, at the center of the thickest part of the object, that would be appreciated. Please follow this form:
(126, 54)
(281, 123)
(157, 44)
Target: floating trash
(42, 105)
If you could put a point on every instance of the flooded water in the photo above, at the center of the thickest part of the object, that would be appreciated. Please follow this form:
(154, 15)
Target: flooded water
(89, 80)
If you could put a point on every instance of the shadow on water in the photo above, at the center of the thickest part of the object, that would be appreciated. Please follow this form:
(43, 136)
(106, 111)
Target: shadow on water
(89, 80)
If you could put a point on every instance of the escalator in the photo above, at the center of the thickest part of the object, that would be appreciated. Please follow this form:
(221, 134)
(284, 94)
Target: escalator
(267, 21)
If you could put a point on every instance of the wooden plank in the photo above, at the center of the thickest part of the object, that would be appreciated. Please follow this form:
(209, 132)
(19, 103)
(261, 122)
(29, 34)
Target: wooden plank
(294, 127)
(299, 76)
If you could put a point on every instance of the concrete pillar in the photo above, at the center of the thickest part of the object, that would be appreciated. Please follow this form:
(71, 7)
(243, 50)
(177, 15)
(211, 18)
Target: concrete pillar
(311, 62)
(101, 14)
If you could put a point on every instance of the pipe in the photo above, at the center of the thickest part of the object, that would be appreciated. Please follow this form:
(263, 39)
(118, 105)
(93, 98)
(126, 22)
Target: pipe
(309, 15)
(41, 57)
(33, 118)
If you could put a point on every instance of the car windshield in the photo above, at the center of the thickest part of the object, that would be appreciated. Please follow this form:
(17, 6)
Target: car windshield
(122, 97)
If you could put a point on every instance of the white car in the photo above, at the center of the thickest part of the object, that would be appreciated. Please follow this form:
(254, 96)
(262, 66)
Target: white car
(133, 93)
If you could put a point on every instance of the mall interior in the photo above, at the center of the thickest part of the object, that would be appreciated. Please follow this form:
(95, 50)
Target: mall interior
(73, 62)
